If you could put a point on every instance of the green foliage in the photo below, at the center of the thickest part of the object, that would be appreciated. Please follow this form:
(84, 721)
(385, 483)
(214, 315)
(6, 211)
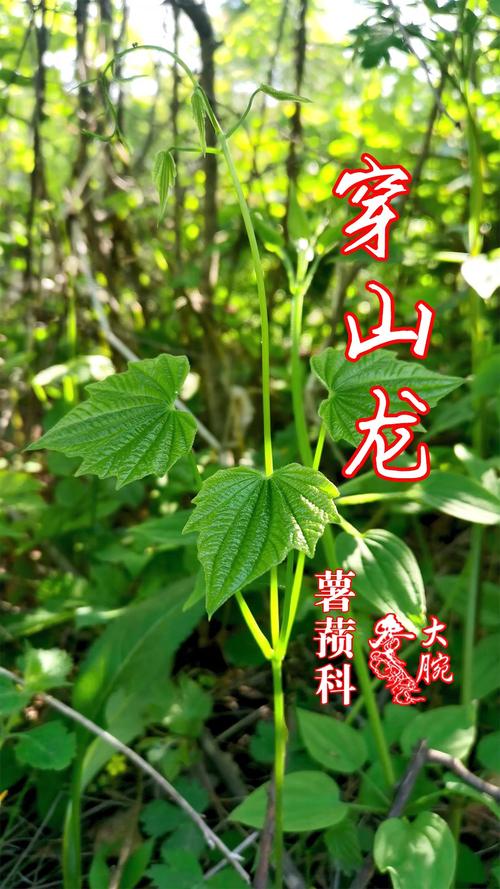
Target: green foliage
(455, 788)
(124, 675)
(102, 582)
(349, 387)
(418, 853)
(342, 842)
(488, 751)
(387, 573)
(459, 496)
(135, 866)
(485, 676)
(50, 746)
(12, 697)
(181, 870)
(450, 729)
(189, 708)
(199, 114)
(164, 173)
(331, 743)
(45, 668)
(159, 817)
(311, 802)
(129, 426)
(248, 522)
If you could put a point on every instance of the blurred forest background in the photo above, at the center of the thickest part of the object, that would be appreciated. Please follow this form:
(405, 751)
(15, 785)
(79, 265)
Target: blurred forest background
(94, 581)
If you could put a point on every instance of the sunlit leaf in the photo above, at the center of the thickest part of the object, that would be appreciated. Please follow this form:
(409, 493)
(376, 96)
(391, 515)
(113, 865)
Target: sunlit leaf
(129, 426)
(349, 387)
(281, 95)
(248, 522)
(418, 853)
(46, 668)
(199, 114)
(450, 729)
(459, 496)
(387, 573)
(164, 172)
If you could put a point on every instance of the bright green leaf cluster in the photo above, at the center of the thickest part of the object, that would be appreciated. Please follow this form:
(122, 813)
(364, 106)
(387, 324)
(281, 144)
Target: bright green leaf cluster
(46, 668)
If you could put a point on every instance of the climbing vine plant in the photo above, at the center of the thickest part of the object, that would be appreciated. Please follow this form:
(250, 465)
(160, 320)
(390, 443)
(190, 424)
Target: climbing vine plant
(250, 521)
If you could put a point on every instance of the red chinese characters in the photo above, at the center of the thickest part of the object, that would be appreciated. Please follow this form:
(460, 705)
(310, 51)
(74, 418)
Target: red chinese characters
(385, 435)
(372, 188)
(334, 635)
(434, 668)
(376, 443)
(384, 333)
(386, 664)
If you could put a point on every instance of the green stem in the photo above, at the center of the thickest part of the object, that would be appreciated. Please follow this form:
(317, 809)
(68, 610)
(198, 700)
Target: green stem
(278, 699)
(292, 593)
(291, 605)
(328, 540)
(261, 291)
(471, 614)
(197, 479)
(274, 607)
(280, 739)
(125, 52)
(297, 381)
(71, 850)
(370, 702)
(319, 447)
(477, 355)
(254, 628)
(243, 117)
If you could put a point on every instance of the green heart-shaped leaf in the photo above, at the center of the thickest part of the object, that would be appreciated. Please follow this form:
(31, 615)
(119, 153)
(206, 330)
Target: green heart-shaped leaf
(129, 426)
(248, 522)
(387, 573)
(349, 387)
(310, 802)
(331, 743)
(421, 853)
(451, 729)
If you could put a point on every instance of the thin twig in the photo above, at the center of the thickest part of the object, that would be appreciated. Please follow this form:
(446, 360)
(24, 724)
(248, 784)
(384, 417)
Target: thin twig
(211, 838)
(225, 765)
(407, 39)
(468, 777)
(248, 841)
(244, 722)
(266, 841)
(28, 847)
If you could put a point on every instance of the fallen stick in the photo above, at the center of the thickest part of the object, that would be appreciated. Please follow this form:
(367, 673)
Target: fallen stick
(211, 838)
